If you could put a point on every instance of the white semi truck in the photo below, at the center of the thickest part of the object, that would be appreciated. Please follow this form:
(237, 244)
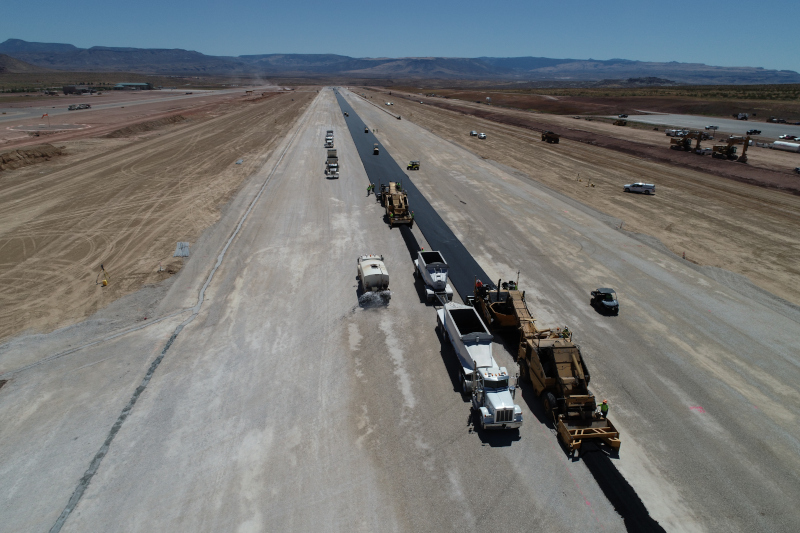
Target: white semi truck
(432, 269)
(332, 164)
(491, 386)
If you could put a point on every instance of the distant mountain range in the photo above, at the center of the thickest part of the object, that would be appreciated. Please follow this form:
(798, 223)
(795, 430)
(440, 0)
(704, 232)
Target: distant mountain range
(185, 62)
(10, 65)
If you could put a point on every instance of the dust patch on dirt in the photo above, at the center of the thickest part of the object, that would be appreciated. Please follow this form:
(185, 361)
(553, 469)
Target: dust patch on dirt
(28, 156)
(148, 125)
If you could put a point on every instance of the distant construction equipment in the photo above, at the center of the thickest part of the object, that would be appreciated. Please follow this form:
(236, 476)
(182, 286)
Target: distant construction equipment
(620, 122)
(550, 137)
(729, 149)
(685, 142)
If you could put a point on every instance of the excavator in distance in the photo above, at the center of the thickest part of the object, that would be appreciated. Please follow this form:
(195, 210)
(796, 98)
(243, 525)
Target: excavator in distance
(685, 142)
(728, 150)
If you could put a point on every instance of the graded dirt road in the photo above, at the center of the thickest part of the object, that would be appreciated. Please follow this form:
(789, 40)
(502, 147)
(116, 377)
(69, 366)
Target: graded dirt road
(717, 222)
(697, 373)
(123, 203)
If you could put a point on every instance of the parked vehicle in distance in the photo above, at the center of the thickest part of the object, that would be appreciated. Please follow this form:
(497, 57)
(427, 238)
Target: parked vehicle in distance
(622, 116)
(645, 188)
(797, 169)
(788, 137)
(712, 127)
(605, 301)
(481, 136)
(473, 133)
(753, 132)
(366, 129)
(675, 133)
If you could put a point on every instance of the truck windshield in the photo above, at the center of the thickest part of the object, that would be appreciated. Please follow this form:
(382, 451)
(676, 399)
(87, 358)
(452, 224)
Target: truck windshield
(609, 297)
(495, 385)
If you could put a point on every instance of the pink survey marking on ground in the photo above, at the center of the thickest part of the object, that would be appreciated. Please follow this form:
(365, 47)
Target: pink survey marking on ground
(697, 408)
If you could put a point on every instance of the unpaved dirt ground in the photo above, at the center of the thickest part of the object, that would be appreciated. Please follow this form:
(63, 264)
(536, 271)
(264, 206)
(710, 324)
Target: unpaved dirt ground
(716, 221)
(124, 203)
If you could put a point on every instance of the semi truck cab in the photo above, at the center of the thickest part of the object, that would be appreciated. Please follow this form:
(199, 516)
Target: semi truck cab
(493, 399)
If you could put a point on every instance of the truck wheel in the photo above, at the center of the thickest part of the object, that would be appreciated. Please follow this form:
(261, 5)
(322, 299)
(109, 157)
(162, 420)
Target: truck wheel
(463, 385)
(627, 189)
(550, 404)
(647, 192)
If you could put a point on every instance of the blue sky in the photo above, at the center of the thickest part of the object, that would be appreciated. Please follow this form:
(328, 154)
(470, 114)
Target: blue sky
(759, 33)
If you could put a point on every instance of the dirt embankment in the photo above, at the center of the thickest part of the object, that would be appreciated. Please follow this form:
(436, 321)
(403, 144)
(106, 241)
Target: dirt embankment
(28, 156)
(144, 127)
(762, 177)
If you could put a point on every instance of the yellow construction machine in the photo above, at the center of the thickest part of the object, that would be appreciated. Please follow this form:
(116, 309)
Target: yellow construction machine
(685, 142)
(552, 362)
(395, 200)
(728, 150)
(413, 165)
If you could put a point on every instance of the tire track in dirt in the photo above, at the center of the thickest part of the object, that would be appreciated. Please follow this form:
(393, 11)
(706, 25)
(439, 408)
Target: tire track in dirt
(126, 208)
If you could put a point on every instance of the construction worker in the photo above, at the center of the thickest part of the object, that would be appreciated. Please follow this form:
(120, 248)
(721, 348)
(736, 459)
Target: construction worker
(566, 333)
(369, 189)
(604, 409)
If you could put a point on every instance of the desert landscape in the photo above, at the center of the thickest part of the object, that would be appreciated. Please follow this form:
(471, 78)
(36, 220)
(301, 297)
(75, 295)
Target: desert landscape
(302, 292)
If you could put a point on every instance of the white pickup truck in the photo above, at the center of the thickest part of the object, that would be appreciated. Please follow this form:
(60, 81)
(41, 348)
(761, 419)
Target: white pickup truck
(645, 188)
(432, 269)
(491, 386)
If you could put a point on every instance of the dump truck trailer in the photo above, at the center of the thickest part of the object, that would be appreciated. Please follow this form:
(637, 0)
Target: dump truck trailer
(432, 269)
(491, 386)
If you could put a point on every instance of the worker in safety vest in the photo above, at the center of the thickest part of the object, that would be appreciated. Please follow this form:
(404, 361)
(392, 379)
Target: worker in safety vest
(604, 409)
